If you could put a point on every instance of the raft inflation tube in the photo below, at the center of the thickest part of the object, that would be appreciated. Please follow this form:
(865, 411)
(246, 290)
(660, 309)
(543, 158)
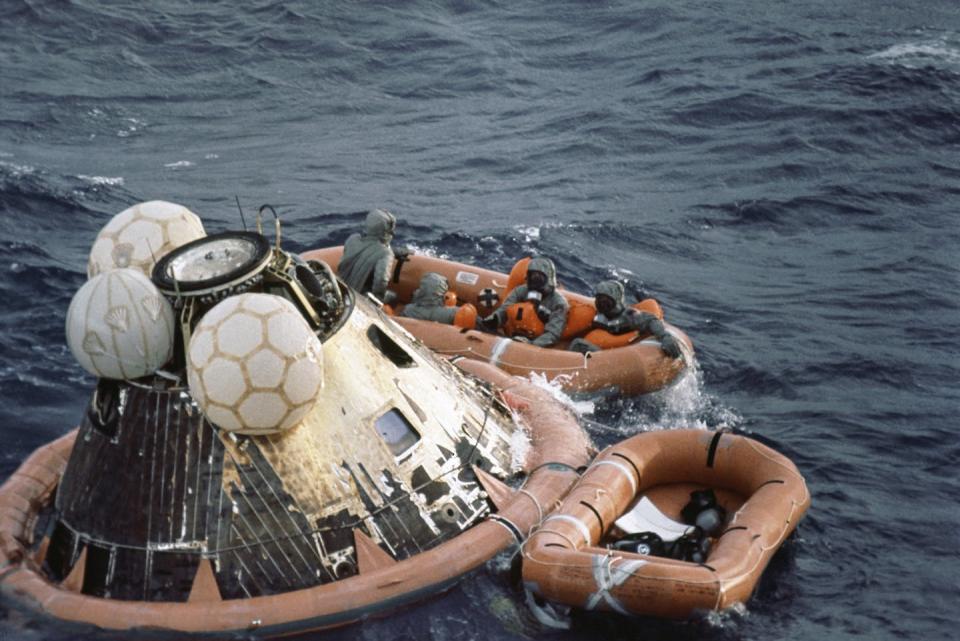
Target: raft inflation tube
(564, 561)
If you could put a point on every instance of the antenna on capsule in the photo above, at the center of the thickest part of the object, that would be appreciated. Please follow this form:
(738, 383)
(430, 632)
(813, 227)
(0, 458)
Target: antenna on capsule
(242, 219)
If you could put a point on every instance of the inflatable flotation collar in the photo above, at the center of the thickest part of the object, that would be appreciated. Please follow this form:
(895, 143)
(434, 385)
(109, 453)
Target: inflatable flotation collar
(608, 340)
(523, 320)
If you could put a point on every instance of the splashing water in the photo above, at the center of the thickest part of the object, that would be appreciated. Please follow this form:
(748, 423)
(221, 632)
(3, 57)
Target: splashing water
(555, 388)
(729, 619)
(684, 404)
(519, 449)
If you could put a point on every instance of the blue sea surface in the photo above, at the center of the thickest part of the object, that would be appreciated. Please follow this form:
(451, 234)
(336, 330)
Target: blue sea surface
(783, 177)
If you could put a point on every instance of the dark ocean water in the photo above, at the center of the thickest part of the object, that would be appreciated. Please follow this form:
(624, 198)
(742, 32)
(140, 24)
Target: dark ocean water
(784, 177)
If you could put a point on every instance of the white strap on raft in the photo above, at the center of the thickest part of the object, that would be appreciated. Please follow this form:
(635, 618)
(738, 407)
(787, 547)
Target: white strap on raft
(535, 502)
(498, 349)
(584, 530)
(608, 577)
(622, 468)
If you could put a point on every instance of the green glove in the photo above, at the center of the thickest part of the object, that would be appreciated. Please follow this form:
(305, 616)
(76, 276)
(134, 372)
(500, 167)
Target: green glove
(670, 345)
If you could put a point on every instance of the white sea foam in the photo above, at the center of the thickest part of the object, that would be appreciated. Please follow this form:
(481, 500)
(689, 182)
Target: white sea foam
(17, 170)
(729, 619)
(427, 251)
(684, 404)
(131, 126)
(555, 388)
(530, 233)
(519, 449)
(102, 180)
(936, 53)
(179, 164)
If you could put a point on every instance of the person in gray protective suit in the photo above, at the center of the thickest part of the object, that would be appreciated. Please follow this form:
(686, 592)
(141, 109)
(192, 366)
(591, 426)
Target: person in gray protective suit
(427, 303)
(540, 289)
(614, 316)
(368, 259)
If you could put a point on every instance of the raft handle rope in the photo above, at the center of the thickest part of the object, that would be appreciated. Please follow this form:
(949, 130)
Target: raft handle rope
(461, 352)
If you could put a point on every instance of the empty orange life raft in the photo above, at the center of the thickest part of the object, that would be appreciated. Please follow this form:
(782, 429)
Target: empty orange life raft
(564, 561)
(639, 367)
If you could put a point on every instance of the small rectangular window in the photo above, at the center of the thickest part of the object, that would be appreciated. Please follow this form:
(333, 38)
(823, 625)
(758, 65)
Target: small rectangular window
(397, 432)
(389, 347)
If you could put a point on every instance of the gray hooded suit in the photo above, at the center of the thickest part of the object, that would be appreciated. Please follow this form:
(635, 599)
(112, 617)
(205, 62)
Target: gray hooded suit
(368, 260)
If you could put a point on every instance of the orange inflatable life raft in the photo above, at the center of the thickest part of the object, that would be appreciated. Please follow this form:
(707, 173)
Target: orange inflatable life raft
(565, 560)
(640, 367)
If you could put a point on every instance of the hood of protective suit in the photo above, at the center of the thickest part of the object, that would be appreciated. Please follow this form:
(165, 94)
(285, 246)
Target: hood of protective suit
(380, 225)
(614, 290)
(431, 290)
(545, 266)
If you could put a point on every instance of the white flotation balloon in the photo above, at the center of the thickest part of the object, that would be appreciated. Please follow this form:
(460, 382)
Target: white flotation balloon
(139, 236)
(120, 326)
(254, 366)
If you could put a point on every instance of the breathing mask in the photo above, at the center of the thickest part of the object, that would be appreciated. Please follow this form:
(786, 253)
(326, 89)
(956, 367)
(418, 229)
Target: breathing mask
(605, 304)
(536, 281)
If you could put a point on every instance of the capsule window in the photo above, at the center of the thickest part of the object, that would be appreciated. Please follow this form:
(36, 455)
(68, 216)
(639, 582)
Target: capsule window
(397, 432)
(389, 347)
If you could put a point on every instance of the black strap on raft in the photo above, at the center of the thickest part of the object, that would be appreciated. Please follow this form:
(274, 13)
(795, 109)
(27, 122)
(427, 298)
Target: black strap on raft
(398, 267)
(507, 523)
(712, 452)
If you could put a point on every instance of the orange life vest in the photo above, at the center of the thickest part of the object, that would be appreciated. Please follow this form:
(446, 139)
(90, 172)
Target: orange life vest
(579, 319)
(607, 340)
(466, 317)
(522, 320)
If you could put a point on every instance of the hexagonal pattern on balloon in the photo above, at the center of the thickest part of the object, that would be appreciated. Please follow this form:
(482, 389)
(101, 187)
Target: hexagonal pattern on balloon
(139, 236)
(240, 334)
(266, 369)
(254, 365)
